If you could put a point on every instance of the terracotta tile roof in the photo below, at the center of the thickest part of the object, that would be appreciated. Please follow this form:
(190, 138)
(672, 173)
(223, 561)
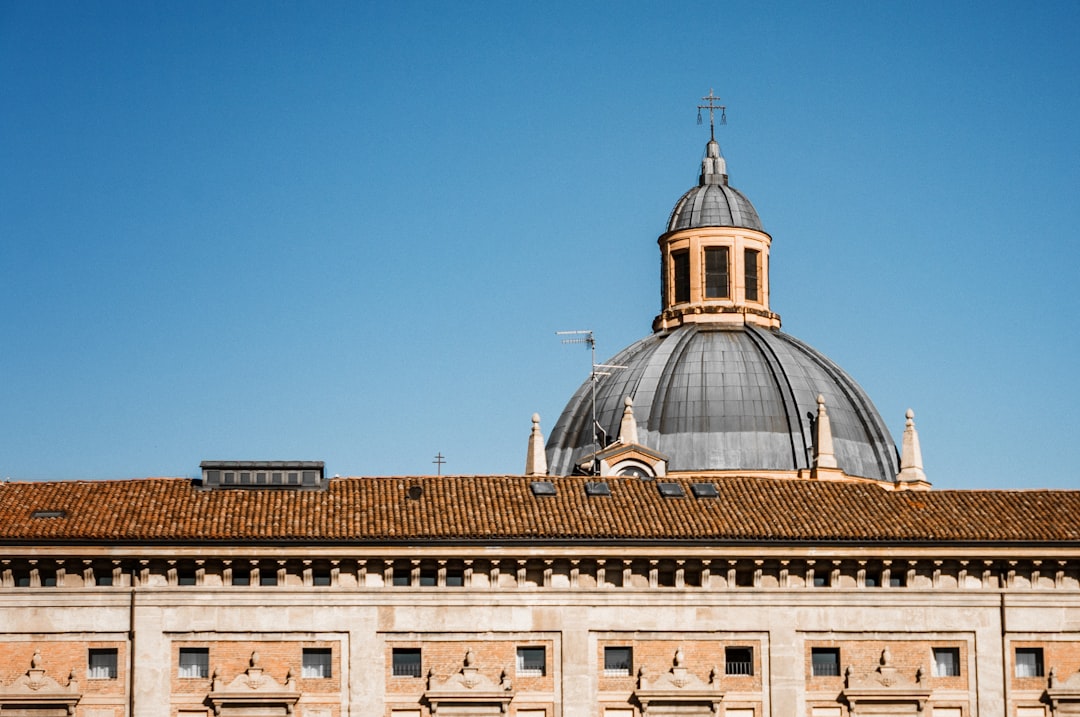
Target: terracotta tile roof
(372, 510)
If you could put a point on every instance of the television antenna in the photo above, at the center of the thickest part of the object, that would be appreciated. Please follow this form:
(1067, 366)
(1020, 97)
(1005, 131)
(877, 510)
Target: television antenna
(598, 370)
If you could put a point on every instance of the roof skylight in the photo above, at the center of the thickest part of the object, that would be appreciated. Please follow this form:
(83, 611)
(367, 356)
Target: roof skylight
(542, 488)
(704, 490)
(671, 490)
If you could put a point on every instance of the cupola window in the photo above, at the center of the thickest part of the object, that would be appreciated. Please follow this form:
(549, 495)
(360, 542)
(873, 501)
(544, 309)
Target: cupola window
(752, 259)
(680, 261)
(716, 273)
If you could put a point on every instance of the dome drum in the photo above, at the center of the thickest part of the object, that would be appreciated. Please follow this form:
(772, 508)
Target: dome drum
(718, 271)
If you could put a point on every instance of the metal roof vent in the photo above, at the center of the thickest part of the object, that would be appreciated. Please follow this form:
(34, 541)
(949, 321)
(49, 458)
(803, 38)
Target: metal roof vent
(541, 488)
(597, 487)
(49, 514)
(671, 490)
(704, 490)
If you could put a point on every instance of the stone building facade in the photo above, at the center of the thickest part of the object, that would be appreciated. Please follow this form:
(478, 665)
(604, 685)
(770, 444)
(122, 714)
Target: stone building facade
(476, 595)
(719, 526)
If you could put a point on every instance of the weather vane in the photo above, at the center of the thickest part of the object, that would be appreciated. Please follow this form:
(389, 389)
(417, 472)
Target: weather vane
(712, 99)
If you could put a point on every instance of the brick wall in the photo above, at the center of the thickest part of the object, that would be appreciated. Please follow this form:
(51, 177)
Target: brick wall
(446, 658)
(59, 658)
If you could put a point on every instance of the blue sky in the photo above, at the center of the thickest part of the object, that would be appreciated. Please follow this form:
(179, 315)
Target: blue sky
(349, 232)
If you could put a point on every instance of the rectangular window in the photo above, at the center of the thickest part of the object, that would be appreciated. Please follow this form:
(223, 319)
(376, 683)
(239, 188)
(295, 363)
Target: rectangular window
(316, 662)
(429, 578)
(320, 577)
(268, 576)
(455, 578)
(406, 662)
(618, 661)
(1029, 662)
(897, 579)
(531, 661)
(716, 273)
(402, 577)
(680, 261)
(825, 661)
(194, 662)
(738, 660)
(103, 578)
(663, 280)
(241, 576)
(873, 579)
(946, 662)
(750, 261)
(185, 576)
(102, 664)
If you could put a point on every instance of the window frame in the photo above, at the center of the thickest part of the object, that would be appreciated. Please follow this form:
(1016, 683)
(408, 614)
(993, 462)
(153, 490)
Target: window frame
(1037, 667)
(522, 661)
(680, 276)
(733, 651)
(112, 667)
(240, 576)
(201, 666)
(752, 258)
(833, 664)
(618, 668)
(952, 665)
(710, 272)
(268, 576)
(317, 663)
(405, 668)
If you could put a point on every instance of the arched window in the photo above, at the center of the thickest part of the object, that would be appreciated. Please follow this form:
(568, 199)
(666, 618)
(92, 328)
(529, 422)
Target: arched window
(633, 469)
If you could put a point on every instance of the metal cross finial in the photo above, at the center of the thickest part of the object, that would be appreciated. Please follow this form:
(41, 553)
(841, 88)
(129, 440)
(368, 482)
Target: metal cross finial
(711, 105)
(440, 459)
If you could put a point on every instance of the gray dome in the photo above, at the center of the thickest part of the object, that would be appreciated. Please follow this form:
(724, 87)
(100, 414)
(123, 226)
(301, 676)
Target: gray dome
(714, 205)
(728, 397)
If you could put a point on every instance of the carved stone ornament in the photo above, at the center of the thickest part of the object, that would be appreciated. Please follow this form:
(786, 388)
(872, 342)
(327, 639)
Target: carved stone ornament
(253, 692)
(884, 690)
(468, 691)
(37, 692)
(678, 691)
(1064, 695)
